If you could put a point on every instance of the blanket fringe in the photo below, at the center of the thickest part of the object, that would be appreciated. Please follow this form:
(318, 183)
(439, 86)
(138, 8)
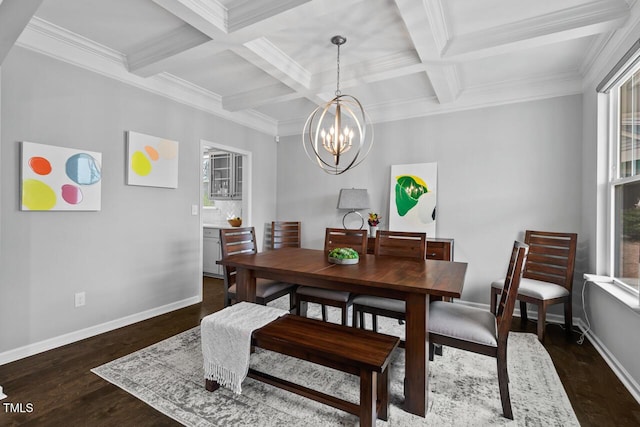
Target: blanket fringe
(223, 376)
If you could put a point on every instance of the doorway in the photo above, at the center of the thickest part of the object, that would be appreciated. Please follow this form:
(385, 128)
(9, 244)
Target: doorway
(225, 191)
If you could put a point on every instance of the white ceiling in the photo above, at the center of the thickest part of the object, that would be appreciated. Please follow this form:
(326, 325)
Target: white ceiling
(268, 63)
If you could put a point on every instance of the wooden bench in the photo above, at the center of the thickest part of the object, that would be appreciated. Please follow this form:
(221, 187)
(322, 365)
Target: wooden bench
(355, 351)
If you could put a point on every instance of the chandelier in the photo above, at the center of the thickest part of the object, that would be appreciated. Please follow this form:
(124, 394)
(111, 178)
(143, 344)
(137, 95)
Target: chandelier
(335, 135)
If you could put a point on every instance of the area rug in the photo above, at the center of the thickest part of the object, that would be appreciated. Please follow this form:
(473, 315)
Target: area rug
(463, 387)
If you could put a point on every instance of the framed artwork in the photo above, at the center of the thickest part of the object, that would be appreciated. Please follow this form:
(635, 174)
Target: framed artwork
(59, 179)
(413, 198)
(151, 161)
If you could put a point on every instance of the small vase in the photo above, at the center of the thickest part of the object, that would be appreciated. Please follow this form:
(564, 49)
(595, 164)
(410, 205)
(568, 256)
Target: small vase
(373, 229)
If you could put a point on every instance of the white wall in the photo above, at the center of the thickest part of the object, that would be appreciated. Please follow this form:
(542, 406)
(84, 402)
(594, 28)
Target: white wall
(501, 170)
(142, 251)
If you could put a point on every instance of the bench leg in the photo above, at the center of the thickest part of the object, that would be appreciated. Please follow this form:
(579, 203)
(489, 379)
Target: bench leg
(383, 395)
(211, 385)
(368, 401)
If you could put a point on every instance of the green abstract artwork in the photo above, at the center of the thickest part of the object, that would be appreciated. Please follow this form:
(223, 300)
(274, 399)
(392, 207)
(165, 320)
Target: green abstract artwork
(412, 197)
(409, 188)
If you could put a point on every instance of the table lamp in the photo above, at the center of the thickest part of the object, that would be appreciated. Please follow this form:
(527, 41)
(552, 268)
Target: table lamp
(353, 199)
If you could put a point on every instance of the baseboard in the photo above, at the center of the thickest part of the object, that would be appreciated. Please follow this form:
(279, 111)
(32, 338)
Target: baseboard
(627, 380)
(55, 342)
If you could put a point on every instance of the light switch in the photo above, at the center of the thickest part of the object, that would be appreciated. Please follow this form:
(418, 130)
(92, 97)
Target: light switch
(194, 210)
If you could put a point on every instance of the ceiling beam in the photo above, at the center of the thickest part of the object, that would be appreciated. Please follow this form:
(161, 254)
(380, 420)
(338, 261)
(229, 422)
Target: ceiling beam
(14, 17)
(266, 56)
(242, 14)
(567, 24)
(323, 84)
(240, 27)
(153, 57)
(207, 16)
(429, 41)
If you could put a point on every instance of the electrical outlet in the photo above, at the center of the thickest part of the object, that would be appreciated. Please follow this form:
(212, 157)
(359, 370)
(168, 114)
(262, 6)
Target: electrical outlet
(80, 299)
(194, 210)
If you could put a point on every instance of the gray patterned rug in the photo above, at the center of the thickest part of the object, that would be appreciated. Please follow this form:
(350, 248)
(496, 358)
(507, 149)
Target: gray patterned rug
(463, 387)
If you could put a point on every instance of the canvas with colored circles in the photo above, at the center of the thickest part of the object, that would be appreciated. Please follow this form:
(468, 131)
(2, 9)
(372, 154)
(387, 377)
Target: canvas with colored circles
(60, 179)
(151, 161)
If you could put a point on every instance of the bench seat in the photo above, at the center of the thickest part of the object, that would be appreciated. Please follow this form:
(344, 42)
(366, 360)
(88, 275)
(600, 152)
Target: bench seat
(365, 354)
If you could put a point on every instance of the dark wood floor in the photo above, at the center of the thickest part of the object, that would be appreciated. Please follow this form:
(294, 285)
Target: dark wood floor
(62, 390)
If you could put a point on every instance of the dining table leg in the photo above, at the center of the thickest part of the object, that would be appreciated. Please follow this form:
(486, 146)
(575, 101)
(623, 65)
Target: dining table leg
(246, 284)
(416, 358)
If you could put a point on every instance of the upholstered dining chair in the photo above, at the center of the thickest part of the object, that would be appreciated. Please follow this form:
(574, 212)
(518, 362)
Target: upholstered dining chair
(285, 234)
(334, 238)
(392, 243)
(547, 277)
(243, 241)
(480, 331)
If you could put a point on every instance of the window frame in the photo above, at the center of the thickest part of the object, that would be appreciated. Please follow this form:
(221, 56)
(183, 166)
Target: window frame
(614, 180)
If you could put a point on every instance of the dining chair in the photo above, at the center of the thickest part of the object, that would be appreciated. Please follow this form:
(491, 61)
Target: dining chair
(479, 331)
(547, 277)
(388, 243)
(243, 241)
(334, 238)
(285, 234)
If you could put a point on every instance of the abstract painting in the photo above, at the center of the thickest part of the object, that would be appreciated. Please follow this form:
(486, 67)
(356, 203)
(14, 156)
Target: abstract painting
(151, 161)
(60, 179)
(413, 198)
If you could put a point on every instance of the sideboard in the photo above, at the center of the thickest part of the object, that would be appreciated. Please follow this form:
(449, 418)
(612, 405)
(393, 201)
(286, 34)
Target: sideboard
(437, 248)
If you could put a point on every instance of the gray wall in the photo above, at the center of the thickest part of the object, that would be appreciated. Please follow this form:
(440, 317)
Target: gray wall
(142, 251)
(612, 322)
(501, 170)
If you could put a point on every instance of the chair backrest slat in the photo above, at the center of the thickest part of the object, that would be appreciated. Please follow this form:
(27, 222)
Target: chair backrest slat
(285, 234)
(551, 257)
(504, 311)
(235, 241)
(401, 243)
(346, 238)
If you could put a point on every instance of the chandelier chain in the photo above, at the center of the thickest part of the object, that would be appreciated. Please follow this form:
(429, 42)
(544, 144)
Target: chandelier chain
(338, 93)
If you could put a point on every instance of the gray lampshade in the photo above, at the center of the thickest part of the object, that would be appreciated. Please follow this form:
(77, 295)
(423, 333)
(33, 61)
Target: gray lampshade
(353, 198)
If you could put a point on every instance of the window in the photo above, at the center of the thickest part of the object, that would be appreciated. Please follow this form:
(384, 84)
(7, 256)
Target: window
(625, 178)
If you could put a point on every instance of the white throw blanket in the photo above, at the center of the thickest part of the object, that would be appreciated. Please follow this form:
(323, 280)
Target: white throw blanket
(226, 341)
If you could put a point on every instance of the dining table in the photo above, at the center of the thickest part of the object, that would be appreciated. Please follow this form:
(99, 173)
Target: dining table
(413, 280)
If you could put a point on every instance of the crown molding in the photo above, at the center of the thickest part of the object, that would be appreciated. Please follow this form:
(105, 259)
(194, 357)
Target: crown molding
(503, 93)
(52, 36)
(612, 49)
(56, 42)
(271, 94)
(579, 21)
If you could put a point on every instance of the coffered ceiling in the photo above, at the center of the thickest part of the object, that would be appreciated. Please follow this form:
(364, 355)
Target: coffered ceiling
(268, 63)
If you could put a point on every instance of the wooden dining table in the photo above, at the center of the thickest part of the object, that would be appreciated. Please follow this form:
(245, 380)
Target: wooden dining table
(414, 281)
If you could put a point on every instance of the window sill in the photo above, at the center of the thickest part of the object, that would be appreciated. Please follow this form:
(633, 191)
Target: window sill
(627, 298)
